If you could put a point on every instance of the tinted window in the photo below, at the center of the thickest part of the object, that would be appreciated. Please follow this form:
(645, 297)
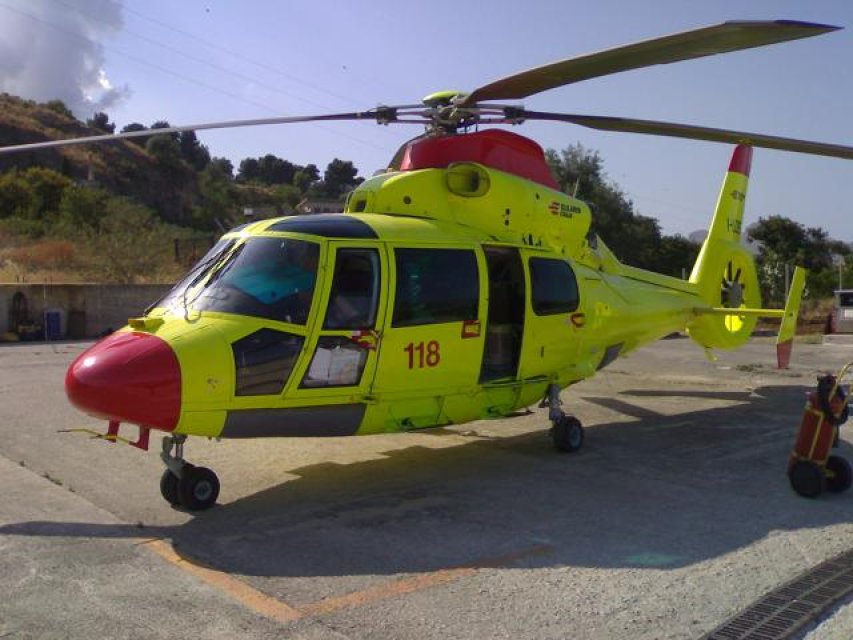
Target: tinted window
(554, 288)
(264, 360)
(435, 285)
(846, 299)
(331, 225)
(265, 277)
(355, 290)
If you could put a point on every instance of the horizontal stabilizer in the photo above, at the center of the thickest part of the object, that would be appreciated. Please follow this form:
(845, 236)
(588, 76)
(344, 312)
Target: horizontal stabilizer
(739, 311)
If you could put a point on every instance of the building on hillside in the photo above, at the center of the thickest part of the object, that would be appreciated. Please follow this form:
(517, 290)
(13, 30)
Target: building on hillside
(317, 205)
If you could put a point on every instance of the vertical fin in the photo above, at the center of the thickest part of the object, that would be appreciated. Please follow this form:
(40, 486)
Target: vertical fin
(785, 341)
(725, 231)
(724, 274)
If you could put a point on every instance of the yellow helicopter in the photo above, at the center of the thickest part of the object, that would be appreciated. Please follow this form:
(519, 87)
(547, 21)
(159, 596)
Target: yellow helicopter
(459, 284)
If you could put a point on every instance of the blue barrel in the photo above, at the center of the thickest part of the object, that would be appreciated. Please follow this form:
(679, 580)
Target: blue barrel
(53, 324)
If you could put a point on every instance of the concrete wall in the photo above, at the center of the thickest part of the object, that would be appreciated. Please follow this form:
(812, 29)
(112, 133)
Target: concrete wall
(89, 310)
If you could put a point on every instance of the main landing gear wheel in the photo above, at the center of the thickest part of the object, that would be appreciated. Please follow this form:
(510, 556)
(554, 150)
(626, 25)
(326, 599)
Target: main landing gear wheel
(567, 434)
(183, 484)
(566, 430)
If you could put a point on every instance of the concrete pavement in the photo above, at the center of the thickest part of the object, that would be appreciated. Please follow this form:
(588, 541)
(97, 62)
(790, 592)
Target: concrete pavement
(676, 515)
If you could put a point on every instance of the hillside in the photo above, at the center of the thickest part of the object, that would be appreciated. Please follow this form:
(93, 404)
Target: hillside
(120, 167)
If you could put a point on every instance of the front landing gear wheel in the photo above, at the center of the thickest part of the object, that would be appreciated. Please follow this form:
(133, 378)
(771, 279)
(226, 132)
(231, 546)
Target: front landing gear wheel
(198, 488)
(169, 487)
(567, 434)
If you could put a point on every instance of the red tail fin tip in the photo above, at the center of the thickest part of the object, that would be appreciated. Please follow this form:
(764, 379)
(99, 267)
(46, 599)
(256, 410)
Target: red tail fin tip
(783, 353)
(741, 159)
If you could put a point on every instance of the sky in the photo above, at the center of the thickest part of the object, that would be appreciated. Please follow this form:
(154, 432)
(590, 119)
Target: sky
(193, 61)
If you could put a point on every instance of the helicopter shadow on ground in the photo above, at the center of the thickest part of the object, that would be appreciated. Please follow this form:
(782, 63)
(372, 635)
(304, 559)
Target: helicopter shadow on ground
(654, 490)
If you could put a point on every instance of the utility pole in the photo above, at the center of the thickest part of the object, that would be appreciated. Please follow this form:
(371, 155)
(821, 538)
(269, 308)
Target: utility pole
(838, 261)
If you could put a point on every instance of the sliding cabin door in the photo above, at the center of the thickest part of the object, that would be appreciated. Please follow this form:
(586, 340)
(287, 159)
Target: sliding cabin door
(432, 344)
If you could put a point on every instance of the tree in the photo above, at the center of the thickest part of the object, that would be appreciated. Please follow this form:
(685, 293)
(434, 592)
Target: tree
(306, 177)
(101, 122)
(82, 207)
(136, 126)
(47, 187)
(165, 149)
(274, 170)
(58, 106)
(268, 169)
(223, 167)
(248, 171)
(631, 236)
(192, 151)
(130, 245)
(786, 243)
(289, 195)
(340, 177)
(164, 124)
(671, 255)
(16, 196)
(217, 200)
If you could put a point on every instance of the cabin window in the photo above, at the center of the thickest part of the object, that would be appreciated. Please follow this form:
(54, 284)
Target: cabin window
(355, 290)
(264, 277)
(264, 361)
(337, 362)
(435, 286)
(554, 288)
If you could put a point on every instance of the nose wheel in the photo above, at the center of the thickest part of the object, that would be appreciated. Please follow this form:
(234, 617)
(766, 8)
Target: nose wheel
(183, 484)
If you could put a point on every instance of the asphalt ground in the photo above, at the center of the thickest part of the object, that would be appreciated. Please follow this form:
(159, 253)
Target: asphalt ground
(675, 515)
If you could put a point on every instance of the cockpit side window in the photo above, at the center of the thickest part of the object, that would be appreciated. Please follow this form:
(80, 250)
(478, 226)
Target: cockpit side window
(265, 277)
(355, 290)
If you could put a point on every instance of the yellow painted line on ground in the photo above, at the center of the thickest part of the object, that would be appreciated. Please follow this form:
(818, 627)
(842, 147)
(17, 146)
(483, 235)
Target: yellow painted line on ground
(418, 583)
(249, 596)
(388, 590)
(279, 611)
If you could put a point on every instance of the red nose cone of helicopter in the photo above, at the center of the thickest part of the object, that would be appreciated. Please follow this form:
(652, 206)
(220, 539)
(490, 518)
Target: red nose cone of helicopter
(128, 377)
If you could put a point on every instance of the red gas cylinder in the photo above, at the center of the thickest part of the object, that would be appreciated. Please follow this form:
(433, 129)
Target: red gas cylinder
(817, 433)
(811, 468)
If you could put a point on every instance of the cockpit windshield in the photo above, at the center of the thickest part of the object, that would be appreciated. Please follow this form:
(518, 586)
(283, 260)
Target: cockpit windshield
(179, 292)
(265, 277)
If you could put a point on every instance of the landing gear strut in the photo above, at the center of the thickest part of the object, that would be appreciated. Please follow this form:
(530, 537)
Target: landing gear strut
(566, 430)
(183, 484)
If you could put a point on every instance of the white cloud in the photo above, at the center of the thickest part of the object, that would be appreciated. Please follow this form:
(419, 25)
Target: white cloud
(52, 49)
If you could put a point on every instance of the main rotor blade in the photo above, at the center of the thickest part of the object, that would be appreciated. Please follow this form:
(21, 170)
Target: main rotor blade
(147, 133)
(651, 127)
(707, 41)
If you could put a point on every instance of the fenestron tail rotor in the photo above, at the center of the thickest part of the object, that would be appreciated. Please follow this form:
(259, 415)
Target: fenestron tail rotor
(732, 288)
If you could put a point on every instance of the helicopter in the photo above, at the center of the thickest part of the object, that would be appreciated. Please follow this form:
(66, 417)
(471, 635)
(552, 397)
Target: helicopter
(459, 284)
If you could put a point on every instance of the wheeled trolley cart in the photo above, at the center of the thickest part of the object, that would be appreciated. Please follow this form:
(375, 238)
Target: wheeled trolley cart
(811, 468)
